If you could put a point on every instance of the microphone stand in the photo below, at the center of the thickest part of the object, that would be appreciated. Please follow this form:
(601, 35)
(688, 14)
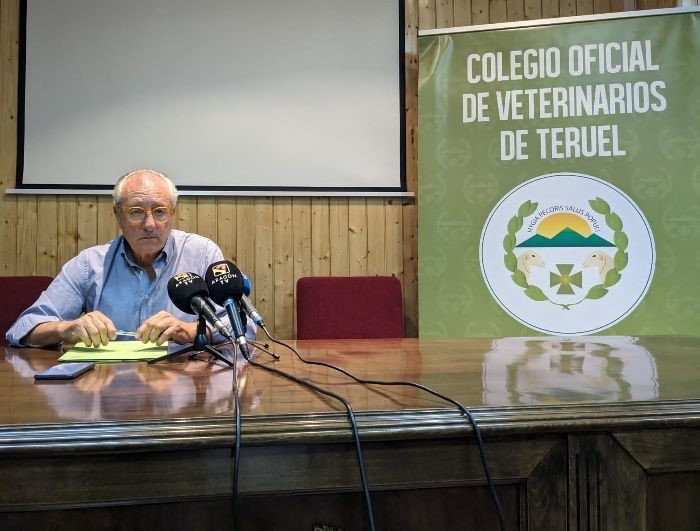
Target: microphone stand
(201, 344)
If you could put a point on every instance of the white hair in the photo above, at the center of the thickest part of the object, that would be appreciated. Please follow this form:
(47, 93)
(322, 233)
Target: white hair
(118, 187)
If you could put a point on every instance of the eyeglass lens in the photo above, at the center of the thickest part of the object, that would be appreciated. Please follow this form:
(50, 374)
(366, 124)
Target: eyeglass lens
(139, 214)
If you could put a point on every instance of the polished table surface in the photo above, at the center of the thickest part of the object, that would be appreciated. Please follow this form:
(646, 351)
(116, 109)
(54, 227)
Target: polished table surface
(580, 434)
(511, 385)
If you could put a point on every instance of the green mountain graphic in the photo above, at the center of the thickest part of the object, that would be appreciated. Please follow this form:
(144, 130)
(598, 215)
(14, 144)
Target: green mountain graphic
(566, 238)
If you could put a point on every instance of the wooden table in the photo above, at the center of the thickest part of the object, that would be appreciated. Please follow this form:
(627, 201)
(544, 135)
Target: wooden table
(580, 434)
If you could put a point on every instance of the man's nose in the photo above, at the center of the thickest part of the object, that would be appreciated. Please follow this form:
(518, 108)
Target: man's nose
(149, 220)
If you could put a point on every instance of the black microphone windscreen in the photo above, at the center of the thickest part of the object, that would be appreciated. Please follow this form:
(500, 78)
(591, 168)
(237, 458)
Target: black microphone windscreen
(183, 286)
(225, 281)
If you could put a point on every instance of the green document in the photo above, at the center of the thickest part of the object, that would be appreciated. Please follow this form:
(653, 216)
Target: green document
(115, 351)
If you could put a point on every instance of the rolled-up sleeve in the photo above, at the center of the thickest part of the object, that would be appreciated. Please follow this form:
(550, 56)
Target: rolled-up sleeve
(62, 300)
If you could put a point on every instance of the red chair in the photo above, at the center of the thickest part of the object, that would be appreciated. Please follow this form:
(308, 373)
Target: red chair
(349, 307)
(19, 292)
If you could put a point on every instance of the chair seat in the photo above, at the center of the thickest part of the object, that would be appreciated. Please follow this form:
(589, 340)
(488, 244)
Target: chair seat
(362, 307)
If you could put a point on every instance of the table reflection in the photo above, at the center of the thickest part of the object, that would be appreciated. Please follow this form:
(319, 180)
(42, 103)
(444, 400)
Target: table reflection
(524, 371)
(196, 387)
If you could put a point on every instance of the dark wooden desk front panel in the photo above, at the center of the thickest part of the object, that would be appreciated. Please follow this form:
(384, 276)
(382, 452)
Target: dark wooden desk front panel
(586, 434)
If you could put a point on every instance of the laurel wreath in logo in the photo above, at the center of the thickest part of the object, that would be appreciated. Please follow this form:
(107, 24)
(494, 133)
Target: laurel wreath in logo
(598, 291)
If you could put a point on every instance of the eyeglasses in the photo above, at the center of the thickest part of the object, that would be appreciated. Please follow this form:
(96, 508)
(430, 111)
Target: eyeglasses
(137, 214)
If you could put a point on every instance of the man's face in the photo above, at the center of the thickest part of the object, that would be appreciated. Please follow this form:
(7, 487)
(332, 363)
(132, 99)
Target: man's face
(145, 215)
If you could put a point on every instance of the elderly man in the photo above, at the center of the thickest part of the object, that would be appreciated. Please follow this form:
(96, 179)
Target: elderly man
(122, 285)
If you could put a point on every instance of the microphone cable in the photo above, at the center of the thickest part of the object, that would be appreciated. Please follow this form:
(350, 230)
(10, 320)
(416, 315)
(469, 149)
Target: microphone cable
(464, 410)
(320, 390)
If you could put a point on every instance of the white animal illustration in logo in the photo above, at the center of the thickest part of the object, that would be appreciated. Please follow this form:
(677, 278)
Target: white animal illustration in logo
(601, 260)
(528, 260)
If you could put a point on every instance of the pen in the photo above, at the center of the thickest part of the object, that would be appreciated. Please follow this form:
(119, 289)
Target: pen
(125, 333)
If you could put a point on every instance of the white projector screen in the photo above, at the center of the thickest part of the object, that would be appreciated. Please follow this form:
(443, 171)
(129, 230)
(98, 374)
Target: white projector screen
(221, 95)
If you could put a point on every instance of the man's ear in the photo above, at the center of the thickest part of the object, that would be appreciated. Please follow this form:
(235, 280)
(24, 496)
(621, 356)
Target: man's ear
(116, 209)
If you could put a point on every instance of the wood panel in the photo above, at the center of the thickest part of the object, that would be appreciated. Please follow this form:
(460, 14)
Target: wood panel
(274, 241)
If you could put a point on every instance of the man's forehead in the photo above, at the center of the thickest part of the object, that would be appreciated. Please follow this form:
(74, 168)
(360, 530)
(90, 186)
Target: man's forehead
(145, 186)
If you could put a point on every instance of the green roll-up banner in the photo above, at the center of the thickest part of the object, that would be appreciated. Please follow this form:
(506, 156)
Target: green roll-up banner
(559, 177)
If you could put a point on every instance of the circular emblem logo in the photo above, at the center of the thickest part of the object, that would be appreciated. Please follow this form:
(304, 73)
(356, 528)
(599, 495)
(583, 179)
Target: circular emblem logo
(567, 254)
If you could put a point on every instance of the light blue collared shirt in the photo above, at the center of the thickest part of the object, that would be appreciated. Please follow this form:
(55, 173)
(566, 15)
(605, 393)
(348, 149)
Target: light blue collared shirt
(104, 278)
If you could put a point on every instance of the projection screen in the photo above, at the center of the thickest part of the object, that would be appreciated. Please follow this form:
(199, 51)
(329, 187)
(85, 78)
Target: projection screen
(222, 95)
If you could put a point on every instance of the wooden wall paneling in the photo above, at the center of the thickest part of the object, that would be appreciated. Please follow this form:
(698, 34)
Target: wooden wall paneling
(244, 252)
(480, 12)
(301, 234)
(426, 14)
(226, 227)
(107, 226)
(338, 223)
(47, 237)
(409, 209)
(515, 10)
(444, 13)
(462, 12)
(9, 31)
(584, 7)
(550, 9)
(616, 6)
(283, 268)
(321, 235)
(206, 217)
(357, 236)
(410, 270)
(376, 236)
(67, 233)
(602, 6)
(8, 241)
(393, 257)
(26, 223)
(532, 9)
(264, 253)
(498, 11)
(186, 214)
(87, 221)
(567, 8)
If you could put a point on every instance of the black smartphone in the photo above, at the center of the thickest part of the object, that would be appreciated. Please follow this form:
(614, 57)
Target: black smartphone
(65, 371)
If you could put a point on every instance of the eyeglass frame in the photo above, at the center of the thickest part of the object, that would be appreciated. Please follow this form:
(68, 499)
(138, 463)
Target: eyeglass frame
(127, 209)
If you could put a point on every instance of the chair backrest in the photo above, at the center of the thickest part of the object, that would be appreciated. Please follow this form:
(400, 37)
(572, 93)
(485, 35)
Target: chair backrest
(349, 307)
(18, 292)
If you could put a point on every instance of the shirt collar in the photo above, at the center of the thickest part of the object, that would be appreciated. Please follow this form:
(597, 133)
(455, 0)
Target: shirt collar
(166, 251)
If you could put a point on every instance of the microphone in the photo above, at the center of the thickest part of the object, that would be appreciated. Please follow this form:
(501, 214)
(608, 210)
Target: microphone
(252, 311)
(247, 286)
(188, 291)
(248, 307)
(225, 282)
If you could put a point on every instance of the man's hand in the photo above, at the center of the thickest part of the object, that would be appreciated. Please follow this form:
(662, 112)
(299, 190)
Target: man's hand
(163, 327)
(94, 329)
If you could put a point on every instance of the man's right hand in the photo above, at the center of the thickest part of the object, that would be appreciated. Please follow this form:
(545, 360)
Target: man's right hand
(94, 329)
